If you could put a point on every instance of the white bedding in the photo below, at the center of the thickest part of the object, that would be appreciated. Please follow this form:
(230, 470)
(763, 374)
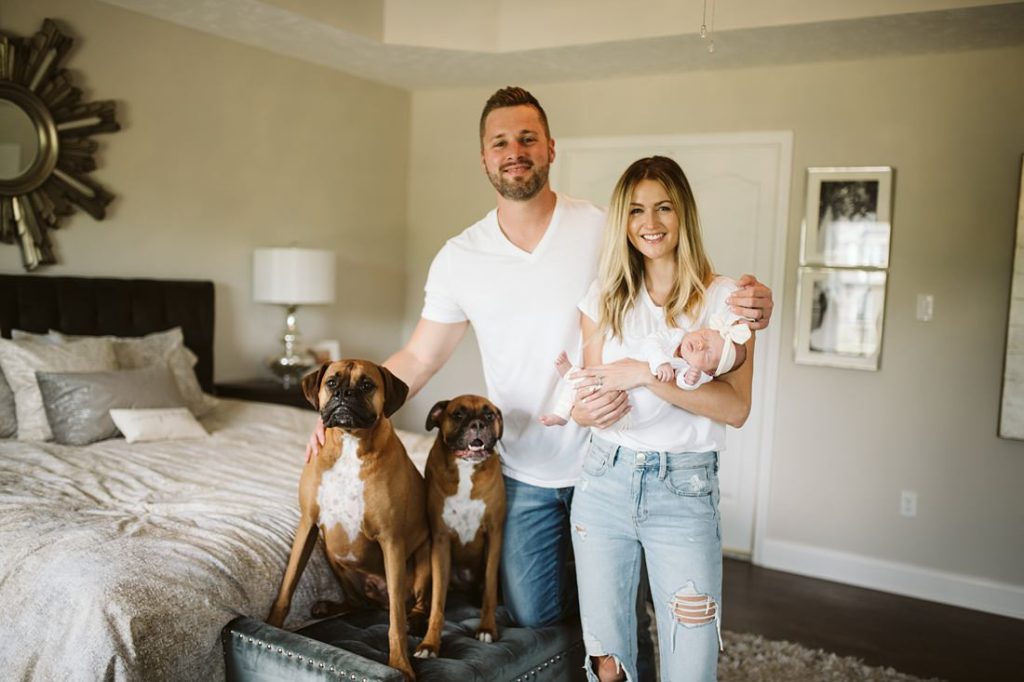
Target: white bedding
(123, 562)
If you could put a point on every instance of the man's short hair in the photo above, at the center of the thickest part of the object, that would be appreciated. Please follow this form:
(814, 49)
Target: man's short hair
(512, 96)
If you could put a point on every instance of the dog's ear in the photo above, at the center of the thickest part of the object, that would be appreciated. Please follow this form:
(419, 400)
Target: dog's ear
(395, 391)
(501, 422)
(434, 416)
(311, 385)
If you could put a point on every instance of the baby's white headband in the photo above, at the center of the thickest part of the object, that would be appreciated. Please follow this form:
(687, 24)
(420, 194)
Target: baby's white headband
(732, 333)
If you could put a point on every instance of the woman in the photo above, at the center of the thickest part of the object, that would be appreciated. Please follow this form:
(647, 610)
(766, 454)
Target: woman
(653, 486)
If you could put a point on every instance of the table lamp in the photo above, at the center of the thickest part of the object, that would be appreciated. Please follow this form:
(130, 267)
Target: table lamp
(292, 277)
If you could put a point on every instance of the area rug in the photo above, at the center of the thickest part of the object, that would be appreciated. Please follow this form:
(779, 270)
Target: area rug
(752, 658)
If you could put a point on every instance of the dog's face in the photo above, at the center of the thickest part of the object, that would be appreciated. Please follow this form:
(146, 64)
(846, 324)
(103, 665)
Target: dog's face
(470, 425)
(353, 394)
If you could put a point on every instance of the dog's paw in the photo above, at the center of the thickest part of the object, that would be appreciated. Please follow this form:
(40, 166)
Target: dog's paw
(485, 637)
(425, 652)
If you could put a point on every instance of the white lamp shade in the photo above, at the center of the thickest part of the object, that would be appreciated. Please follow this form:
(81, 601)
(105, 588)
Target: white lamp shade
(293, 276)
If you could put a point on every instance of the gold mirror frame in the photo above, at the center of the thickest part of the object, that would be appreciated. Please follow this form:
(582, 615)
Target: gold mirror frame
(32, 78)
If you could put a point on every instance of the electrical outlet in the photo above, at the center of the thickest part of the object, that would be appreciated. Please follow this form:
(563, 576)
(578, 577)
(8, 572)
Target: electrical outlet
(908, 503)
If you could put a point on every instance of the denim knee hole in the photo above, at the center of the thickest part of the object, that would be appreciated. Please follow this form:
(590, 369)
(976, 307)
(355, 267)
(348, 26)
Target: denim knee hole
(691, 609)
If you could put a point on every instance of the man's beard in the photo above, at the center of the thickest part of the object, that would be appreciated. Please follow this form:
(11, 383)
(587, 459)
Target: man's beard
(520, 190)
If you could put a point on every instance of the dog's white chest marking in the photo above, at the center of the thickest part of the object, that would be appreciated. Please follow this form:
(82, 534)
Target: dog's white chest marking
(340, 496)
(461, 514)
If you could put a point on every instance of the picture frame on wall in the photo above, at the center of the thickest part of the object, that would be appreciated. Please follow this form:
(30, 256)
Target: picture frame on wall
(847, 220)
(840, 314)
(1011, 409)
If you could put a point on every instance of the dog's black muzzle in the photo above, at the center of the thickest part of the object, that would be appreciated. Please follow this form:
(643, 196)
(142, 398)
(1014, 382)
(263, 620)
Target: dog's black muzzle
(347, 412)
(475, 436)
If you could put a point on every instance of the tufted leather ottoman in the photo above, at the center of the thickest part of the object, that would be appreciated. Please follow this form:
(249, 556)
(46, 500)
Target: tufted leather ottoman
(354, 648)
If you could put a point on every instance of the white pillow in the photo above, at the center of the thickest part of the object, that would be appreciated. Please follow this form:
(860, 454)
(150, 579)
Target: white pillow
(159, 348)
(166, 423)
(20, 360)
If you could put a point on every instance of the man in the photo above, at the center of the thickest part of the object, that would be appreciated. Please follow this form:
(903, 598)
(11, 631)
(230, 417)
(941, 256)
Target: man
(517, 276)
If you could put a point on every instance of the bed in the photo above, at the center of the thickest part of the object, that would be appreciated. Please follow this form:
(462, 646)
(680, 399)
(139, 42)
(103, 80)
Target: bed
(124, 561)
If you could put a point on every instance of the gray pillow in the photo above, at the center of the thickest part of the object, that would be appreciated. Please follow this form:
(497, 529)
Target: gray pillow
(78, 404)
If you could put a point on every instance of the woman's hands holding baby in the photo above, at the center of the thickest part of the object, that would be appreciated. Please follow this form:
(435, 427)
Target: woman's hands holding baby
(621, 375)
(601, 398)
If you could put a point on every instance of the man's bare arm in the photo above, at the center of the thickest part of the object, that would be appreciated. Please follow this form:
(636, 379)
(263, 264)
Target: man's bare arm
(426, 351)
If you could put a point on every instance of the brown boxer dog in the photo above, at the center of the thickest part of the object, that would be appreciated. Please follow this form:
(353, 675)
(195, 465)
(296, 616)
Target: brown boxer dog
(366, 498)
(466, 508)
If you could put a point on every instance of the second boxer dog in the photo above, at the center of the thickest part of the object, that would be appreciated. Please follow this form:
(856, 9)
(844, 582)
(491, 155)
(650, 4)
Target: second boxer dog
(365, 496)
(466, 508)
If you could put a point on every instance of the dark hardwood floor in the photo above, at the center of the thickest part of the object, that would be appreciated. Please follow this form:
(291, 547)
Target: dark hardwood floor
(913, 636)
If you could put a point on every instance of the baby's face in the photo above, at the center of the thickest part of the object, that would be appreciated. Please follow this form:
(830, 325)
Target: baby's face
(702, 349)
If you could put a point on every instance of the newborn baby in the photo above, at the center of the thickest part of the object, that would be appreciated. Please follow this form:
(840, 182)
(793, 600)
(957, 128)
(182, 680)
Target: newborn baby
(695, 358)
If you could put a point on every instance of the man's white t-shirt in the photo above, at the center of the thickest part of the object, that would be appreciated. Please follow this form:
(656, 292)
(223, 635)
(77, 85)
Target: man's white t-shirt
(655, 424)
(523, 310)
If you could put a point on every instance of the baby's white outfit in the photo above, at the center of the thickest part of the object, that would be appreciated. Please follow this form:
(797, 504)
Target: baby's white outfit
(565, 395)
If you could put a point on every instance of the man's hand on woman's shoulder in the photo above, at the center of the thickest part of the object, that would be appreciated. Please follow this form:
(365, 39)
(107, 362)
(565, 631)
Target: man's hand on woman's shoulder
(752, 300)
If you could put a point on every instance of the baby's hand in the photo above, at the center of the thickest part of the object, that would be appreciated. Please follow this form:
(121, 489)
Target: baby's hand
(692, 376)
(665, 372)
(552, 420)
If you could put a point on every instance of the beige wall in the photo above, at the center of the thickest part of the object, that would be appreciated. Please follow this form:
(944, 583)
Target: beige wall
(846, 442)
(225, 148)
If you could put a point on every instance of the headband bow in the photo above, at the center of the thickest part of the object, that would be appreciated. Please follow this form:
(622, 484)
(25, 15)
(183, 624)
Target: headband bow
(732, 333)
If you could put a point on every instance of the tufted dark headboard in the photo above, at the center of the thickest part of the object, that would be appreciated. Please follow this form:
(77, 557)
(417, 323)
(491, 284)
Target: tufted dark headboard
(120, 307)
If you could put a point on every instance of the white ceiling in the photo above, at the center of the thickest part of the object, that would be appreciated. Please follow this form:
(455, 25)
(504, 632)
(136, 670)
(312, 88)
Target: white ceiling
(372, 39)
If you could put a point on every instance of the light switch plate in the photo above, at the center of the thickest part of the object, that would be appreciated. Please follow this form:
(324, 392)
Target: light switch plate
(925, 307)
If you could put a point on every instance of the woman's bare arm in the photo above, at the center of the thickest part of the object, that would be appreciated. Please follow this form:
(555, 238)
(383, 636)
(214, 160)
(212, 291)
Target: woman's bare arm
(596, 405)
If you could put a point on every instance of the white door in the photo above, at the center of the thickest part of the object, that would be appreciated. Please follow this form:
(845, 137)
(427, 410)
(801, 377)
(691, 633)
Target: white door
(741, 182)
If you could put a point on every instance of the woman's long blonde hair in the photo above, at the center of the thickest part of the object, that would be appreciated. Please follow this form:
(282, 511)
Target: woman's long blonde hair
(621, 270)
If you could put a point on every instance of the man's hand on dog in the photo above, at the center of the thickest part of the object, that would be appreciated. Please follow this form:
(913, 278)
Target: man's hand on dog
(316, 440)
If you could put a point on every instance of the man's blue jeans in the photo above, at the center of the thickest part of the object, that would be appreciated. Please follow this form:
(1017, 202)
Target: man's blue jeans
(538, 584)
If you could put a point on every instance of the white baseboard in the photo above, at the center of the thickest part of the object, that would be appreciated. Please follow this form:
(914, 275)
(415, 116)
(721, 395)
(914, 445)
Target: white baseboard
(908, 580)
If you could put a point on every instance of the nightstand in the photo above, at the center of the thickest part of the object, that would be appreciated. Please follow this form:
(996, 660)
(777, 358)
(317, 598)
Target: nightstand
(263, 391)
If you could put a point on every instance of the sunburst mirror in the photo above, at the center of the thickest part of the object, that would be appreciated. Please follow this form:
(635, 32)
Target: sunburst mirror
(45, 150)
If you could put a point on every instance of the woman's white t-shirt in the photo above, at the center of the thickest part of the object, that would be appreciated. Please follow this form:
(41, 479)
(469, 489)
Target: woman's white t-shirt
(655, 424)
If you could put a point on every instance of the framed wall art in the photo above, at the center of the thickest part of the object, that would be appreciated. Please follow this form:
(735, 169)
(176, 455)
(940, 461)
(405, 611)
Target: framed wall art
(1011, 411)
(847, 217)
(839, 317)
